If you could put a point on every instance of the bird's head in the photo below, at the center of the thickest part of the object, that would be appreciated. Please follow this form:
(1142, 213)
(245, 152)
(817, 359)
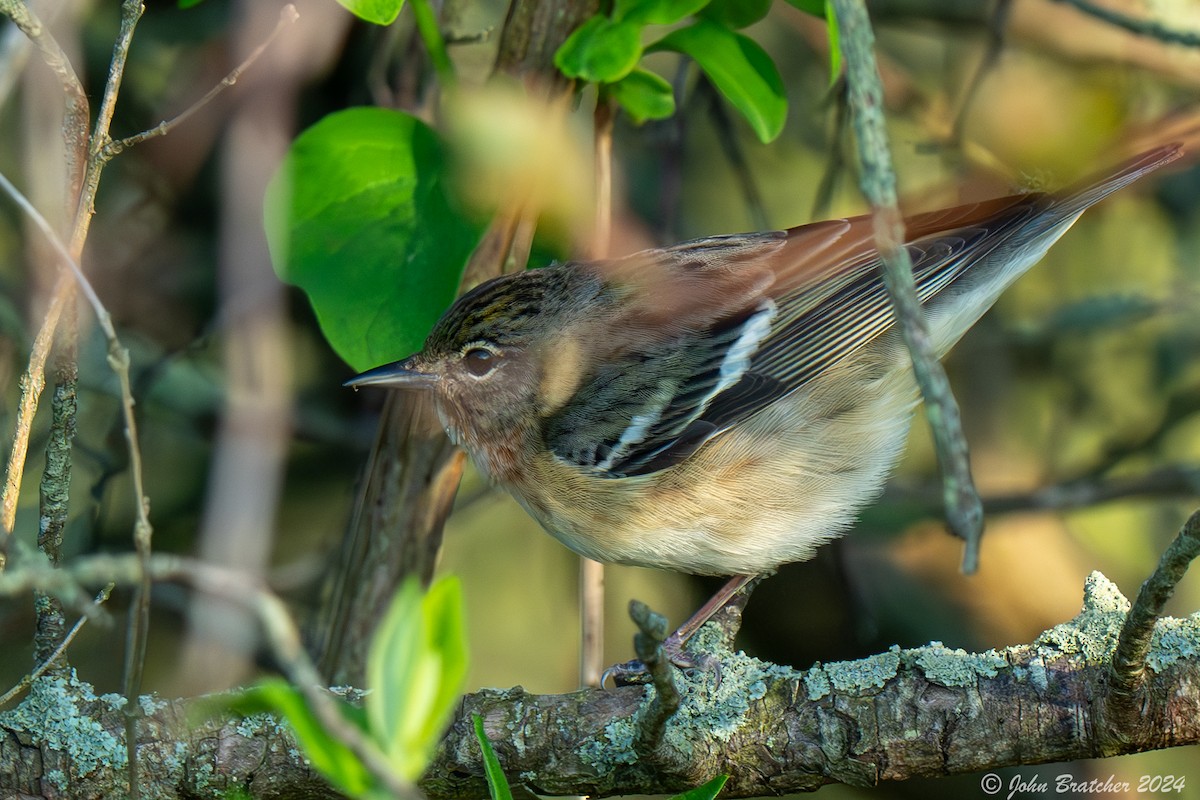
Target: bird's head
(488, 360)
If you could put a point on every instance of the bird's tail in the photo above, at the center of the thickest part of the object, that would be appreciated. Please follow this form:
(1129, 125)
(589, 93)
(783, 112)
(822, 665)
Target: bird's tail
(1095, 188)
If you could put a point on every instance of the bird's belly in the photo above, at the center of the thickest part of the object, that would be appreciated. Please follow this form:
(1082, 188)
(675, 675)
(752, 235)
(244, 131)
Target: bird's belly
(764, 494)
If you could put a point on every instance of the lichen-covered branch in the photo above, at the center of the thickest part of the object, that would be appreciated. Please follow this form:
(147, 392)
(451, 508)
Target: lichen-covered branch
(903, 713)
(65, 741)
(927, 711)
(964, 510)
(1127, 680)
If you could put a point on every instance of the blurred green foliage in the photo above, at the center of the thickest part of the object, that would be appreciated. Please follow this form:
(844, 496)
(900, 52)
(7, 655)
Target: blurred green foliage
(358, 216)
(607, 48)
(418, 661)
(1085, 372)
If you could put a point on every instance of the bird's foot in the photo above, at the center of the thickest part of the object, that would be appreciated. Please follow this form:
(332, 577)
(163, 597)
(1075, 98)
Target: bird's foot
(656, 650)
(636, 672)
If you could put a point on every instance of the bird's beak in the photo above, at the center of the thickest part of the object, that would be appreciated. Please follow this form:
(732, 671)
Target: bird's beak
(398, 375)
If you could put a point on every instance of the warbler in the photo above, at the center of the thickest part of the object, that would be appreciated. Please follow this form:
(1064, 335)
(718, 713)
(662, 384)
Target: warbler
(725, 405)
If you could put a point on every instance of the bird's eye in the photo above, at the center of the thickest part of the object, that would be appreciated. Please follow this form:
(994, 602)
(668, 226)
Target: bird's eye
(479, 361)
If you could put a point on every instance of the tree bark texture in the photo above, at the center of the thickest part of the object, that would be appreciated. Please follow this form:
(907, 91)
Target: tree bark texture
(926, 711)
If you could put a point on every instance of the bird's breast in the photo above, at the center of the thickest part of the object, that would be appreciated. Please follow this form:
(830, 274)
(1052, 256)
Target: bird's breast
(767, 492)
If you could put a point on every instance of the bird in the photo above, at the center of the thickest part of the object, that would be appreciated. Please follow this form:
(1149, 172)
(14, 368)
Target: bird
(726, 405)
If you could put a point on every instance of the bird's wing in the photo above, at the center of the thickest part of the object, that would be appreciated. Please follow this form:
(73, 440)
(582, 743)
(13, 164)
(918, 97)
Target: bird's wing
(656, 399)
(714, 330)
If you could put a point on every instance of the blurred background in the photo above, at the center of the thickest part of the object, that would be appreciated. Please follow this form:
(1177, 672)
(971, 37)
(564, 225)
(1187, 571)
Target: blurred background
(1080, 391)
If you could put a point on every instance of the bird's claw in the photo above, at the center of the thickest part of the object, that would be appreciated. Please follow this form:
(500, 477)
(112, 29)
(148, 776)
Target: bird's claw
(636, 673)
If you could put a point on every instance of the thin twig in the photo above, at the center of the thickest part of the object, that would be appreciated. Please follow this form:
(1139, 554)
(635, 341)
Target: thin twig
(55, 487)
(602, 122)
(647, 643)
(32, 381)
(670, 159)
(732, 148)
(75, 126)
(118, 360)
(103, 319)
(1142, 27)
(131, 13)
(282, 635)
(1179, 481)
(54, 654)
(287, 16)
(834, 160)
(997, 25)
(591, 573)
(964, 511)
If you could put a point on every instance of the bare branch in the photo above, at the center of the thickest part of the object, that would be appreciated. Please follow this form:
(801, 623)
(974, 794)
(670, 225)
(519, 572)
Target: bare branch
(648, 645)
(75, 126)
(591, 573)
(1142, 27)
(118, 360)
(33, 380)
(54, 655)
(287, 16)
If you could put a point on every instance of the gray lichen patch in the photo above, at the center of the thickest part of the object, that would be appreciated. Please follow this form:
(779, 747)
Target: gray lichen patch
(717, 704)
(956, 667)
(816, 682)
(1038, 675)
(1094, 631)
(56, 714)
(1174, 639)
(616, 748)
(253, 725)
(714, 706)
(865, 674)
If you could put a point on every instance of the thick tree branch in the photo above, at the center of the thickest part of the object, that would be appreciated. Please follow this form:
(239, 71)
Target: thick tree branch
(902, 713)
(927, 711)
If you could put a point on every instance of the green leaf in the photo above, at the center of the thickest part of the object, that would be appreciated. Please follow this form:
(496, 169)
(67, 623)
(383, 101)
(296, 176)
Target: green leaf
(739, 68)
(416, 669)
(706, 791)
(189, 3)
(330, 757)
(818, 8)
(656, 12)
(359, 218)
(601, 50)
(644, 96)
(381, 12)
(736, 13)
(497, 783)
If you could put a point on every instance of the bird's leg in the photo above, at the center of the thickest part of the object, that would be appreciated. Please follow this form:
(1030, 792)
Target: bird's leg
(723, 597)
(732, 595)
